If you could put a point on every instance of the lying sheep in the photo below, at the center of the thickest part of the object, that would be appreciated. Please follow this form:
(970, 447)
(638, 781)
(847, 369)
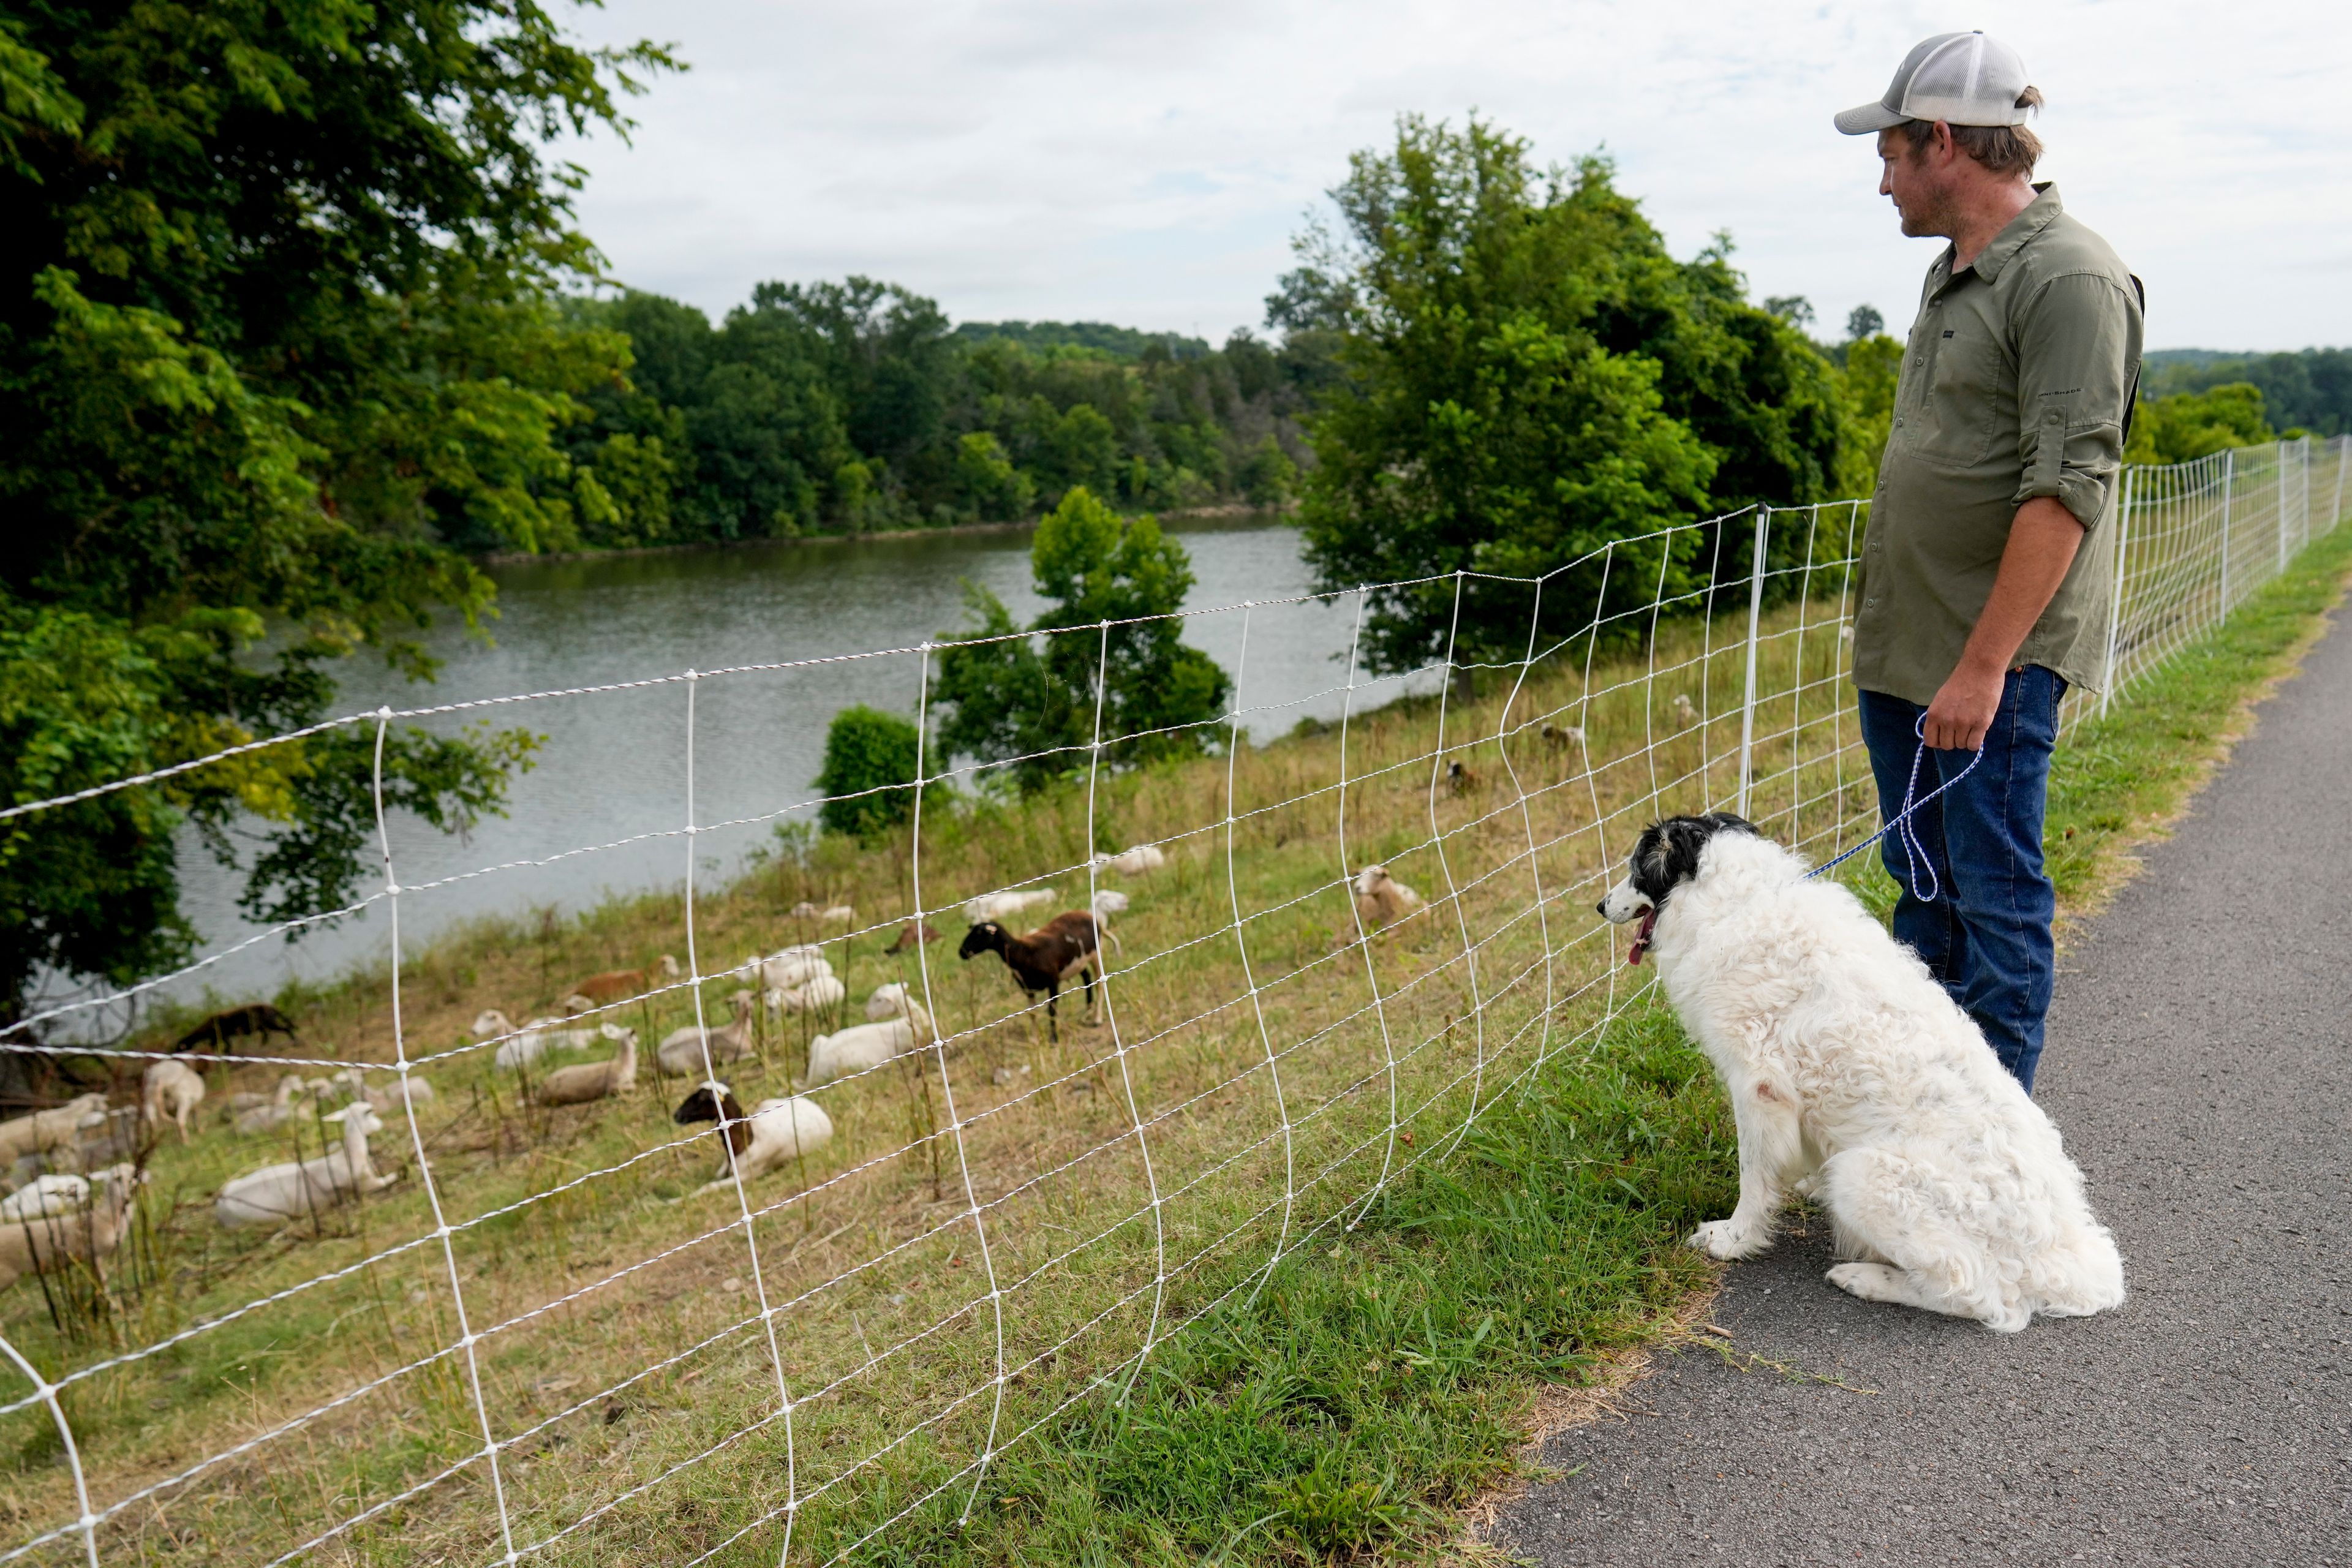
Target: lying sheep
(1006, 905)
(277, 1193)
(813, 994)
(266, 1114)
(1381, 900)
(51, 1132)
(867, 1046)
(46, 1244)
(619, 985)
(778, 1130)
(530, 1042)
(172, 1089)
(682, 1051)
(592, 1081)
(783, 971)
(1135, 860)
(60, 1193)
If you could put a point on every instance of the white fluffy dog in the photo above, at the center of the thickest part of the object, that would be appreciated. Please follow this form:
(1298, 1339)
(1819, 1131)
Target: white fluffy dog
(1853, 1078)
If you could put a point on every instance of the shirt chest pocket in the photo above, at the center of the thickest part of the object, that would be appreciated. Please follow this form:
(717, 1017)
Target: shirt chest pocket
(1970, 387)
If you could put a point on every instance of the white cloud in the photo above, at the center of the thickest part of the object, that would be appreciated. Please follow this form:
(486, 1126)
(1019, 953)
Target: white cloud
(1145, 162)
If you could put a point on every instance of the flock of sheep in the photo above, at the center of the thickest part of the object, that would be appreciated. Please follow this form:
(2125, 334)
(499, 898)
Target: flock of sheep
(58, 1217)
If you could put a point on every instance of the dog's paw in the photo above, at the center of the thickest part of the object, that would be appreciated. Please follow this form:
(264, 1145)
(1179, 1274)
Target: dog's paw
(1871, 1281)
(1722, 1238)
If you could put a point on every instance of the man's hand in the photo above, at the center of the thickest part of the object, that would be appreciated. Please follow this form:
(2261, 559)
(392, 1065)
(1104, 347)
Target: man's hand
(1964, 708)
(2042, 545)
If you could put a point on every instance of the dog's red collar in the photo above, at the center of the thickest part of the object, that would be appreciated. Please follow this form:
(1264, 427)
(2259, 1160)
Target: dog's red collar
(1641, 937)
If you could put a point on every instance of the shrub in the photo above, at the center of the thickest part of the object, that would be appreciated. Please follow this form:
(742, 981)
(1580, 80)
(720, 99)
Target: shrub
(870, 760)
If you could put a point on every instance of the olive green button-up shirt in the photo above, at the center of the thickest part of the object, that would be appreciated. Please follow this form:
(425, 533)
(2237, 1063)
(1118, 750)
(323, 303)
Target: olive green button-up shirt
(2014, 384)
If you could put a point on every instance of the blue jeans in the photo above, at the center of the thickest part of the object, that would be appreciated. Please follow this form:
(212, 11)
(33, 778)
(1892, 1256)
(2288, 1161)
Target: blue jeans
(1986, 937)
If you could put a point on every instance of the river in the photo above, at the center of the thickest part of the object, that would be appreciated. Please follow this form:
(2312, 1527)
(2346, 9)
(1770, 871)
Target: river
(612, 765)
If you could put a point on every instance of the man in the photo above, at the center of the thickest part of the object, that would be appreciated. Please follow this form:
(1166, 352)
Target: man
(1982, 596)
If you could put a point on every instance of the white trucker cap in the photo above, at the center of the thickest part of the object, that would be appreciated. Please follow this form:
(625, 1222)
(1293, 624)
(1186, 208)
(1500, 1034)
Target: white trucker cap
(1961, 78)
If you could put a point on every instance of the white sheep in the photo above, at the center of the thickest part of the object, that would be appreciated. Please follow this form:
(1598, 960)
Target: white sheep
(837, 915)
(775, 1132)
(865, 1046)
(46, 1245)
(1004, 907)
(813, 994)
(172, 1089)
(684, 1050)
(888, 1002)
(791, 967)
(277, 1193)
(530, 1042)
(354, 1086)
(277, 1110)
(60, 1192)
(592, 1081)
(1381, 900)
(52, 1131)
(1135, 860)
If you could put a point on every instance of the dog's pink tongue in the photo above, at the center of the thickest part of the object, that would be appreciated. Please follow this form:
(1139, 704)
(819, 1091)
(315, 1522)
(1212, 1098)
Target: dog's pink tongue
(1642, 939)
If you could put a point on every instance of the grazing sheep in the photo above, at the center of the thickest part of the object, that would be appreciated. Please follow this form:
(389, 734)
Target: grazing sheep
(837, 915)
(530, 1042)
(619, 985)
(1006, 906)
(793, 966)
(259, 1018)
(863, 1047)
(279, 1110)
(592, 1081)
(1684, 714)
(1459, 777)
(60, 1192)
(173, 1090)
(1061, 948)
(46, 1245)
(682, 1050)
(1559, 738)
(813, 994)
(276, 1193)
(1135, 860)
(778, 1130)
(1381, 900)
(908, 936)
(50, 1132)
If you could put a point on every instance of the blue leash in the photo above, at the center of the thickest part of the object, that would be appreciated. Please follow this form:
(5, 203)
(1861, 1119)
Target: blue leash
(1914, 851)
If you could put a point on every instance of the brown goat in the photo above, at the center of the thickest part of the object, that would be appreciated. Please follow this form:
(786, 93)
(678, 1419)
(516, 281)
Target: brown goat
(1061, 948)
(615, 984)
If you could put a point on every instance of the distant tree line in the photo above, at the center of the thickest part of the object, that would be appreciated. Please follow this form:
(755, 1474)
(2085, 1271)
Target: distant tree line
(2309, 391)
(851, 406)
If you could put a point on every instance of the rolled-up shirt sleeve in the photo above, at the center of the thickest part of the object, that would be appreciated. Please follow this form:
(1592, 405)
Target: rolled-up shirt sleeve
(2073, 386)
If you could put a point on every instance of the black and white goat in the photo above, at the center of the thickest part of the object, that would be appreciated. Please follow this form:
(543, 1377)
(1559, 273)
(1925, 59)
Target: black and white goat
(1061, 949)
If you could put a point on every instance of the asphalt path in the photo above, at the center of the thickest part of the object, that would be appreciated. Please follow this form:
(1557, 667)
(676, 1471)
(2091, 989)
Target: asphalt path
(2198, 1055)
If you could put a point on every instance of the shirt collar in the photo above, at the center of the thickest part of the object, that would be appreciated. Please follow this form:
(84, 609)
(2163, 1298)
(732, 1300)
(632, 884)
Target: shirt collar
(2012, 239)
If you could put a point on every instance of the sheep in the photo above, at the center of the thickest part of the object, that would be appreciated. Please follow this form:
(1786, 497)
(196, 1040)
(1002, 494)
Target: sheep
(888, 1002)
(1559, 738)
(783, 971)
(258, 1019)
(61, 1193)
(1135, 860)
(592, 1080)
(910, 934)
(1459, 777)
(277, 1111)
(46, 1245)
(619, 985)
(1381, 900)
(1684, 714)
(868, 1046)
(837, 915)
(355, 1085)
(778, 1130)
(1006, 906)
(1108, 901)
(173, 1090)
(530, 1042)
(54, 1131)
(813, 994)
(277, 1193)
(1061, 948)
(682, 1050)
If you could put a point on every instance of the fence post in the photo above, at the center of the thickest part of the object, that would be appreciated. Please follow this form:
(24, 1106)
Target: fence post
(1754, 620)
(2335, 507)
(2282, 508)
(2115, 606)
(2229, 473)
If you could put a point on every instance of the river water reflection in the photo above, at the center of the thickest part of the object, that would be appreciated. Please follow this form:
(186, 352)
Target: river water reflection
(612, 777)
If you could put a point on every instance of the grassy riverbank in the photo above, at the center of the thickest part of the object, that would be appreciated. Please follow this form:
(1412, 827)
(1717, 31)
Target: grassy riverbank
(1429, 1282)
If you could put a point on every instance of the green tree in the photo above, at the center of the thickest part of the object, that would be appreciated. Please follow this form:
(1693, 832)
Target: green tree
(2196, 424)
(988, 485)
(280, 343)
(1008, 693)
(871, 759)
(1872, 366)
(1528, 376)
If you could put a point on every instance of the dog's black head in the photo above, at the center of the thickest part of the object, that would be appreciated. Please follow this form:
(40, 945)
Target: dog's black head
(1666, 857)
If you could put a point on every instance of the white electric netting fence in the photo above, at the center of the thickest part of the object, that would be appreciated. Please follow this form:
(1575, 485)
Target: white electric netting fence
(579, 1332)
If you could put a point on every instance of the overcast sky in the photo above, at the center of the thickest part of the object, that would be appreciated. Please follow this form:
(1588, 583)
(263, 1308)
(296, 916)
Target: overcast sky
(1146, 163)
